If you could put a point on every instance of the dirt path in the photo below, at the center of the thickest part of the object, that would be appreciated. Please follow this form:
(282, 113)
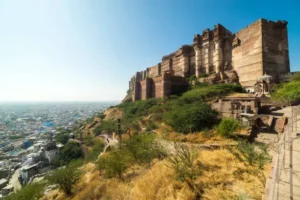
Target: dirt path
(14, 181)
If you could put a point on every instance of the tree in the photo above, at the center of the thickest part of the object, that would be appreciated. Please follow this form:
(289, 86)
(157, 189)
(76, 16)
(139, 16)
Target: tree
(228, 126)
(143, 148)
(105, 126)
(66, 177)
(71, 151)
(189, 118)
(31, 191)
(62, 138)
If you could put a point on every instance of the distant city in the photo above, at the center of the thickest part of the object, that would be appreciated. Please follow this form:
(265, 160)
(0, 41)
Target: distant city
(23, 125)
(20, 120)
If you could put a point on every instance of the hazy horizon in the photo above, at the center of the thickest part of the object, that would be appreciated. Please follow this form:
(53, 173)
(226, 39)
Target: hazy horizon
(76, 50)
(58, 101)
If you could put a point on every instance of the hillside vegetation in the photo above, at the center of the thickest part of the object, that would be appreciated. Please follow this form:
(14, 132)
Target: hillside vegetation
(165, 153)
(288, 93)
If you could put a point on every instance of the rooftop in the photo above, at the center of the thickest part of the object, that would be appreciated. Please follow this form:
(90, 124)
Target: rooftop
(3, 180)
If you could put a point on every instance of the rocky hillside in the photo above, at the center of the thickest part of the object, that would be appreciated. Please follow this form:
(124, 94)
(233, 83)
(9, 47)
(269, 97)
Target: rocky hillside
(180, 145)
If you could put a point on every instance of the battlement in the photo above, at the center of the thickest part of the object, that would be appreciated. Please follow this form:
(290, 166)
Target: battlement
(261, 47)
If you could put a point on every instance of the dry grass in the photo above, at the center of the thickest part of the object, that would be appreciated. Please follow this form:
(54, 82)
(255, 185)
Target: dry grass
(223, 177)
(200, 137)
(159, 183)
(228, 178)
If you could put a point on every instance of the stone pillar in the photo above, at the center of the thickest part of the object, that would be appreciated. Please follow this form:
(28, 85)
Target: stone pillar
(218, 57)
(198, 61)
(170, 64)
(136, 95)
(148, 87)
(206, 52)
(166, 85)
(184, 60)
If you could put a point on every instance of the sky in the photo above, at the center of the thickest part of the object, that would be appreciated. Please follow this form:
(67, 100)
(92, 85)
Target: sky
(87, 50)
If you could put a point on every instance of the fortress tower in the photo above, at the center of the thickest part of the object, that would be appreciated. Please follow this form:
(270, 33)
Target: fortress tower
(260, 48)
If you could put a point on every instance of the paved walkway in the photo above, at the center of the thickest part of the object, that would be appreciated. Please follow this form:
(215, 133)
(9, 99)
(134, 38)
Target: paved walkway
(284, 181)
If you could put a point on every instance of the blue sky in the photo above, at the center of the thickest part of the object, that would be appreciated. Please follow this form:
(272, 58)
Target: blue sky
(87, 50)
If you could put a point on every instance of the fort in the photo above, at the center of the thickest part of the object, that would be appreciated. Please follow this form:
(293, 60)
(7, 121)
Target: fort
(218, 56)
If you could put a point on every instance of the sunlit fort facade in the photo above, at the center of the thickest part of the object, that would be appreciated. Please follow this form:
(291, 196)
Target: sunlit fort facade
(219, 56)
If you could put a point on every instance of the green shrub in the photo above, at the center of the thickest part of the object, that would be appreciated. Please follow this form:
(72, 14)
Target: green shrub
(287, 93)
(143, 148)
(190, 118)
(296, 76)
(183, 163)
(101, 115)
(62, 138)
(115, 163)
(150, 125)
(228, 126)
(253, 155)
(185, 166)
(66, 177)
(157, 117)
(204, 91)
(71, 151)
(93, 154)
(105, 126)
(33, 191)
(89, 140)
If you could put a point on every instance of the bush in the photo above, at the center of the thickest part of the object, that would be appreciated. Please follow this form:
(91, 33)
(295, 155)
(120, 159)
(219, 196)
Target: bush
(62, 138)
(66, 177)
(203, 91)
(287, 93)
(157, 117)
(89, 140)
(185, 167)
(138, 108)
(93, 154)
(105, 126)
(71, 151)
(143, 148)
(114, 163)
(252, 155)
(31, 191)
(296, 76)
(101, 115)
(228, 126)
(191, 117)
(150, 125)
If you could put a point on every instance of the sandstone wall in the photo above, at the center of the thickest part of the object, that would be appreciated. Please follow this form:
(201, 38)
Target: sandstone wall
(247, 55)
(157, 86)
(146, 86)
(261, 47)
(153, 71)
(275, 48)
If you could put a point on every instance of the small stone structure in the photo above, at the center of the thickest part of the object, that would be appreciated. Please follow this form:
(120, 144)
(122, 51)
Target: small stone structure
(218, 56)
(233, 106)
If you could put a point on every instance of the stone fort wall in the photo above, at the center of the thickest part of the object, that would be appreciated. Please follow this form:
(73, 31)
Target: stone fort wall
(261, 47)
